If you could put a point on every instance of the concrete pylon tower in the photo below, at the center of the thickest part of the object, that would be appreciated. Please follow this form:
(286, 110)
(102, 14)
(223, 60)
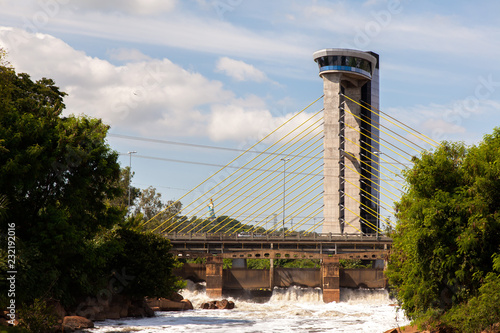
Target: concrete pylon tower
(351, 155)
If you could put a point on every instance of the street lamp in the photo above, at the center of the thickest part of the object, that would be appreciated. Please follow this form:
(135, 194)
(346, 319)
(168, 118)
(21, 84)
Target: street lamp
(129, 170)
(284, 189)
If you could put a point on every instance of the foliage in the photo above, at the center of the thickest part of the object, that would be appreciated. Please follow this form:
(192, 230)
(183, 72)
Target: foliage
(38, 317)
(60, 180)
(56, 173)
(353, 263)
(227, 263)
(258, 263)
(448, 227)
(124, 185)
(163, 217)
(295, 263)
(147, 261)
(3, 206)
(480, 312)
(150, 204)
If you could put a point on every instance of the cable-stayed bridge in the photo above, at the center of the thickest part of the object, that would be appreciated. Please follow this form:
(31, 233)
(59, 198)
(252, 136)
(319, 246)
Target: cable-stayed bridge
(322, 185)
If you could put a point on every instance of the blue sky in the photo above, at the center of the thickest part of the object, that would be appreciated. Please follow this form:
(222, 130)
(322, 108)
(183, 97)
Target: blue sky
(225, 72)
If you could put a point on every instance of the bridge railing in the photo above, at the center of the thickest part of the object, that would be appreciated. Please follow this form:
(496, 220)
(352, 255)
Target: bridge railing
(274, 236)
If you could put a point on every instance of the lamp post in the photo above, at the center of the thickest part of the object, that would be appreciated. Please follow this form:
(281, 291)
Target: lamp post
(129, 173)
(284, 190)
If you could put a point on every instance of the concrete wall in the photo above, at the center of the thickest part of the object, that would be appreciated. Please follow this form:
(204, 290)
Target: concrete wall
(242, 278)
(286, 277)
(362, 278)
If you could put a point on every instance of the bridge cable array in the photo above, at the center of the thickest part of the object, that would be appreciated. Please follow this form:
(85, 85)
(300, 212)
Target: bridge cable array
(284, 176)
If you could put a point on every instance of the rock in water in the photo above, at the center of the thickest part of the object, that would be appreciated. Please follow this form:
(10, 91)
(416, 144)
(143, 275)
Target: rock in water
(187, 304)
(73, 323)
(222, 305)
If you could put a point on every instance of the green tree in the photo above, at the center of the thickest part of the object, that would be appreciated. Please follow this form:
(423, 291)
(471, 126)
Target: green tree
(55, 173)
(159, 219)
(59, 178)
(124, 184)
(149, 203)
(448, 227)
(147, 262)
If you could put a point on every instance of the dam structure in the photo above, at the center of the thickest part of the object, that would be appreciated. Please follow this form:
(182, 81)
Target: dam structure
(351, 146)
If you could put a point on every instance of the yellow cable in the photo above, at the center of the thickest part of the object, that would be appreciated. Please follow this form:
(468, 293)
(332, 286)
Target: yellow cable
(373, 195)
(279, 194)
(240, 168)
(396, 174)
(315, 226)
(294, 214)
(371, 173)
(308, 218)
(383, 132)
(276, 189)
(249, 149)
(271, 179)
(366, 221)
(370, 109)
(380, 144)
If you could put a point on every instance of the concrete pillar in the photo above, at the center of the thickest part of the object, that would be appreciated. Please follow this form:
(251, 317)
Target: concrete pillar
(214, 277)
(271, 274)
(331, 143)
(352, 159)
(330, 279)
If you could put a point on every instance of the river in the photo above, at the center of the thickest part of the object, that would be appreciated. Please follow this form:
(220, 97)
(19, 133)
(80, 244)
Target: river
(288, 310)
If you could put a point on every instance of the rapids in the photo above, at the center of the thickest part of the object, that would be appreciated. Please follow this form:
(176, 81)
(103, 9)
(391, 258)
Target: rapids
(288, 310)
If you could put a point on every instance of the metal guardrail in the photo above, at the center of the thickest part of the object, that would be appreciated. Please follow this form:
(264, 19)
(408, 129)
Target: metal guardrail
(278, 237)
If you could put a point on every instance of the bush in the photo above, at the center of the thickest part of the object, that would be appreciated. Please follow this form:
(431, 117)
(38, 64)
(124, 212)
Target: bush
(146, 259)
(480, 312)
(37, 317)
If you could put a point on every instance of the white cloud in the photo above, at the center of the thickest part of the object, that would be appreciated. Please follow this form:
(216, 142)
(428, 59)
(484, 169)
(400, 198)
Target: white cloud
(239, 70)
(124, 54)
(238, 121)
(140, 7)
(152, 97)
(461, 120)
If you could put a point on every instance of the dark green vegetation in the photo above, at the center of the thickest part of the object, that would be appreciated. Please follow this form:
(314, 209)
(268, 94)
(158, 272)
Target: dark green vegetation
(445, 263)
(62, 190)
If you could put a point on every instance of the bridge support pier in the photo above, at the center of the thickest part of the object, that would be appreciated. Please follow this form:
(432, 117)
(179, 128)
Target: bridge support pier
(214, 277)
(330, 279)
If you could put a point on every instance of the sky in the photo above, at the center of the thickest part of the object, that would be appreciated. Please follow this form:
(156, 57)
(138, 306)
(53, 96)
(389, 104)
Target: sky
(223, 73)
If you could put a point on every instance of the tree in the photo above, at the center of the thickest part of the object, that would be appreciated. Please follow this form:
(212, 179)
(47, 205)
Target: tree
(60, 181)
(448, 227)
(56, 173)
(124, 184)
(159, 219)
(150, 271)
(150, 203)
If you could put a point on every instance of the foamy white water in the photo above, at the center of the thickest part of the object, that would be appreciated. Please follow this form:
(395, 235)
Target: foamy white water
(292, 310)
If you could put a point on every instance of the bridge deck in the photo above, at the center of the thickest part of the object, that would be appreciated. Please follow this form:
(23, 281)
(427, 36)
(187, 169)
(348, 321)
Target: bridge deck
(313, 246)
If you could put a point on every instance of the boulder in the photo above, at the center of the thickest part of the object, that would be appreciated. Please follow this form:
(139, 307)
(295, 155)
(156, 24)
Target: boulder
(73, 323)
(222, 305)
(166, 305)
(176, 297)
(58, 309)
(140, 309)
(187, 304)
